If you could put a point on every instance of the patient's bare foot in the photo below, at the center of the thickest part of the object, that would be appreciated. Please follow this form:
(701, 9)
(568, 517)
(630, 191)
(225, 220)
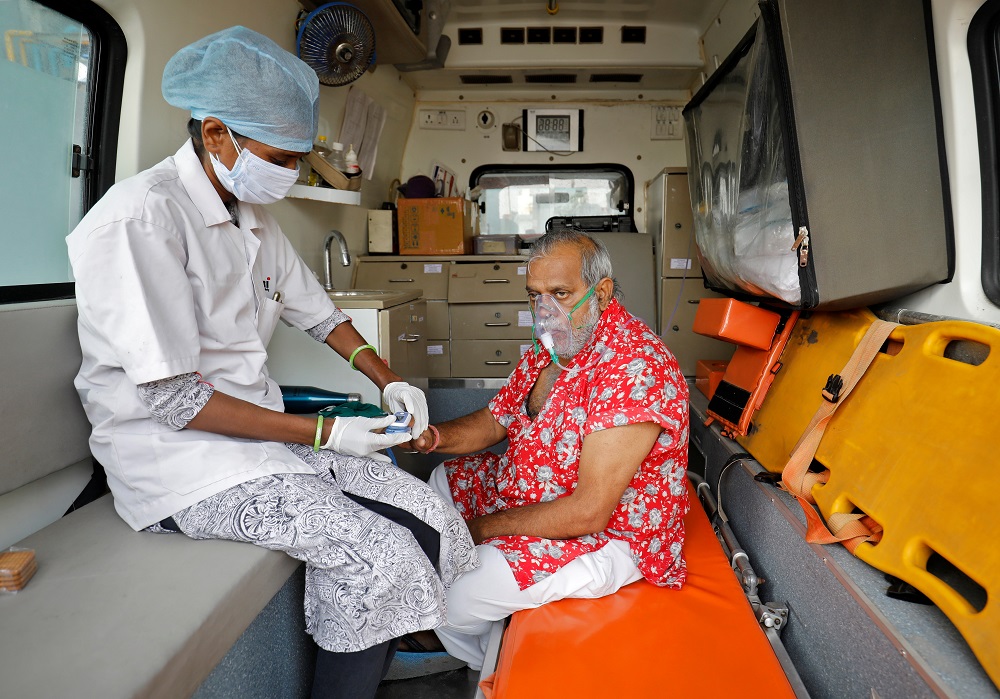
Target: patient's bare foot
(420, 642)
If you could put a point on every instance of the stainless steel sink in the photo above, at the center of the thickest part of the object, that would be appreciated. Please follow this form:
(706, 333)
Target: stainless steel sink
(359, 292)
(372, 298)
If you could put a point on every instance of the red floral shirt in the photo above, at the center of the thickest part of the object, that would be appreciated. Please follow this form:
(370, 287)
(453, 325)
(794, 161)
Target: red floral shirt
(628, 377)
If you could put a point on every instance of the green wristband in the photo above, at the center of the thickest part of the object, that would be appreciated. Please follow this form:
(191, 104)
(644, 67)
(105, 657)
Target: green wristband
(319, 433)
(355, 354)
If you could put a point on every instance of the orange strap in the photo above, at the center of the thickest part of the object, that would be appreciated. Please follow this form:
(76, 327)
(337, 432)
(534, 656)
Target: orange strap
(850, 529)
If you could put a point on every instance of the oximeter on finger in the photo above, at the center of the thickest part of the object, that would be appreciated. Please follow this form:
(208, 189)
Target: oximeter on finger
(402, 423)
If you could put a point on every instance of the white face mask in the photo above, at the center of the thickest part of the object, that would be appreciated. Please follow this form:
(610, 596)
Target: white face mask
(254, 180)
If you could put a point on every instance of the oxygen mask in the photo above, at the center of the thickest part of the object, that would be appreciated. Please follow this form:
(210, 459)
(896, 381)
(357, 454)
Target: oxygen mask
(554, 328)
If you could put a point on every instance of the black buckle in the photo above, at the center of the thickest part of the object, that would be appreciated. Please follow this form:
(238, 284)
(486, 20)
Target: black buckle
(768, 477)
(834, 385)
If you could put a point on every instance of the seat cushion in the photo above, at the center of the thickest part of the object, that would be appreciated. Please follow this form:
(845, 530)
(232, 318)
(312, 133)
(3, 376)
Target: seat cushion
(646, 641)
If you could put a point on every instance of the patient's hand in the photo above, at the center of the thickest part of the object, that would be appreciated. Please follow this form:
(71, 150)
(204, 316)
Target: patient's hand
(423, 442)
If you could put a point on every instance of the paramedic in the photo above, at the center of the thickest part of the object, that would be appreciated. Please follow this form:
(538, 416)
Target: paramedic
(181, 277)
(591, 492)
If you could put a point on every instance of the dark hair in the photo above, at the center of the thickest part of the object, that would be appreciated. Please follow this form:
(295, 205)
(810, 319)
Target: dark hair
(194, 131)
(595, 260)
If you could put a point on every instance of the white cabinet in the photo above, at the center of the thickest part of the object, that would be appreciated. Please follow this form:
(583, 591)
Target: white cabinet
(395, 324)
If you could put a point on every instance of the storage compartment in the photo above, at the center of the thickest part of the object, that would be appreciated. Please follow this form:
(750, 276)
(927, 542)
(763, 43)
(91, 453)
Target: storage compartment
(477, 321)
(813, 186)
(438, 324)
(430, 277)
(482, 282)
(686, 345)
(486, 358)
(442, 226)
(438, 359)
(495, 244)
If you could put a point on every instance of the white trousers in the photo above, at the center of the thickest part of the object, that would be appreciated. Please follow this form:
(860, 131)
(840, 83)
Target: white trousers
(490, 593)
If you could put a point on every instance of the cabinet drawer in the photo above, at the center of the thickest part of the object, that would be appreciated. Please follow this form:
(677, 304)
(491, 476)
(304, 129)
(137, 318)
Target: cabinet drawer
(490, 281)
(489, 321)
(438, 359)
(431, 277)
(437, 320)
(486, 358)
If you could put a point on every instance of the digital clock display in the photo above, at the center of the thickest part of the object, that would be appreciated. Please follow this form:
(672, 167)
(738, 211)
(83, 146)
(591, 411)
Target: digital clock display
(556, 130)
(552, 127)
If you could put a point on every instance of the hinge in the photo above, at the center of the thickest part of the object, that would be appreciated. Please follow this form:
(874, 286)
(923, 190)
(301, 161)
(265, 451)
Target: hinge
(80, 162)
(802, 245)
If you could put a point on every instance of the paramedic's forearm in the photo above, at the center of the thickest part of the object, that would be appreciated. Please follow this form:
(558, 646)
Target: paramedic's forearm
(345, 339)
(232, 417)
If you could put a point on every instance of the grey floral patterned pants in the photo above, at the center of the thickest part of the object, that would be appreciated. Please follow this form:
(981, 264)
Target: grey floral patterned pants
(367, 580)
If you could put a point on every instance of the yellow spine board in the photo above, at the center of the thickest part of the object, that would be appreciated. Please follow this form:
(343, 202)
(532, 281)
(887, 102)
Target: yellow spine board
(819, 345)
(910, 448)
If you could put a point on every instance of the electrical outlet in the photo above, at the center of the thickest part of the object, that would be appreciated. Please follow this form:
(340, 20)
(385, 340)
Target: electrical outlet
(450, 120)
(666, 124)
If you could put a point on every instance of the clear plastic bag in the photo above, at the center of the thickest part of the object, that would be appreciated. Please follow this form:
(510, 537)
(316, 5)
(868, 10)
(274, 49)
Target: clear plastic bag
(742, 216)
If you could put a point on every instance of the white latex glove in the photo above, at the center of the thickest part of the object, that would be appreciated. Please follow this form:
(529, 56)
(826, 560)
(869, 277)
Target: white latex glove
(402, 396)
(353, 436)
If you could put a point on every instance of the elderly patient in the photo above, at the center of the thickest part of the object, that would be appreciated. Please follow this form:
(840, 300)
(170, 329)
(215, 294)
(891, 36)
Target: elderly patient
(591, 493)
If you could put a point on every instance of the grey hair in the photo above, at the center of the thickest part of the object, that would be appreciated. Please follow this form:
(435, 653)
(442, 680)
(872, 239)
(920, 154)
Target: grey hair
(594, 256)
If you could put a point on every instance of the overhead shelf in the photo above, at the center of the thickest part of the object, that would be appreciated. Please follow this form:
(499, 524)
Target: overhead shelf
(395, 42)
(328, 194)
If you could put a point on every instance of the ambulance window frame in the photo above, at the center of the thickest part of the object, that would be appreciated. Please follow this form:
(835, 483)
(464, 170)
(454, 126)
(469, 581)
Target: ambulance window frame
(598, 169)
(984, 59)
(109, 51)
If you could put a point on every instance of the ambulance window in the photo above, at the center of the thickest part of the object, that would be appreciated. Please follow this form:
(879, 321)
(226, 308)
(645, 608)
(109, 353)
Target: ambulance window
(984, 58)
(61, 75)
(521, 199)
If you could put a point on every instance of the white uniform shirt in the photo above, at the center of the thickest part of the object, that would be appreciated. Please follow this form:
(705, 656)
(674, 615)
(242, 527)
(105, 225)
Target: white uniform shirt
(167, 285)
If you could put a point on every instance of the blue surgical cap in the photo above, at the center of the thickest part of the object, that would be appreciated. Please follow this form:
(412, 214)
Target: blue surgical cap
(250, 84)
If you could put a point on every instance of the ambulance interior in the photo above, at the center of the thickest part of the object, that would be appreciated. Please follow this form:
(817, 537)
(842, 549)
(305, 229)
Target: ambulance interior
(673, 130)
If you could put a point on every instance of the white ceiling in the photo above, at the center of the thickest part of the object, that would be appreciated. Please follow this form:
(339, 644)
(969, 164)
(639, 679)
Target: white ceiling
(670, 59)
(692, 12)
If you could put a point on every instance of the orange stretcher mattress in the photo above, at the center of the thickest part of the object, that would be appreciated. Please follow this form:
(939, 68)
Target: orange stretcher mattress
(645, 641)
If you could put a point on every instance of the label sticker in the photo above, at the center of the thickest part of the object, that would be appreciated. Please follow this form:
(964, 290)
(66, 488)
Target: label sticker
(435, 349)
(524, 319)
(525, 349)
(680, 263)
(432, 268)
(521, 271)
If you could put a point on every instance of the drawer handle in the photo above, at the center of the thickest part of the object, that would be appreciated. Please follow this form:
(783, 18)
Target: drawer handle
(401, 281)
(497, 325)
(410, 338)
(496, 363)
(496, 281)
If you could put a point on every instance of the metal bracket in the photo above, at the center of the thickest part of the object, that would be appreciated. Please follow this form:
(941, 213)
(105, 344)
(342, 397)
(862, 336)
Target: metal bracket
(80, 162)
(438, 44)
(771, 615)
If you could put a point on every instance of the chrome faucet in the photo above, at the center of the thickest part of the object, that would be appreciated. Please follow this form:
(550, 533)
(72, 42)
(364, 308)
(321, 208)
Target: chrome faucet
(345, 257)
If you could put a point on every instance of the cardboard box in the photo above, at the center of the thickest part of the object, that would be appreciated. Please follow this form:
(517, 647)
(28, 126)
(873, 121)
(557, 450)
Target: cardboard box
(707, 376)
(381, 230)
(442, 226)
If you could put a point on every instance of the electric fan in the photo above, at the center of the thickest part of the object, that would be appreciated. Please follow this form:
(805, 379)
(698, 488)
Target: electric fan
(338, 42)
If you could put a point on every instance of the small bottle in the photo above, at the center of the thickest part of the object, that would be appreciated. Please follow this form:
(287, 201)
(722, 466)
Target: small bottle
(336, 157)
(352, 168)
(309, 399)
(321, 147)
